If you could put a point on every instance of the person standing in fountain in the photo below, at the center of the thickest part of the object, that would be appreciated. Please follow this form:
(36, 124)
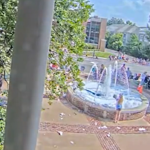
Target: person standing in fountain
(123, 74)
(101, 71)
(94, 72)
(123, 68)
(119, 100)
(143, 76)
(102, 68)
(129, 73)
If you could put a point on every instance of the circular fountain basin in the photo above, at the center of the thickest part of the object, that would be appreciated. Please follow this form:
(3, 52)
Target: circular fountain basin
(98, 105)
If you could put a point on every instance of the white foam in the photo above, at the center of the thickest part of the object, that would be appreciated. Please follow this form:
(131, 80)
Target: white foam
(130, 101)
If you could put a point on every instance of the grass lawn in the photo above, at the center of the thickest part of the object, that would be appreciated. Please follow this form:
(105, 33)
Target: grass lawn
(99, 54)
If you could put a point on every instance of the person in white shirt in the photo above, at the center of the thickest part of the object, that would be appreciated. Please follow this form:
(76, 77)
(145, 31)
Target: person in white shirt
(129, 73)
(143, 76)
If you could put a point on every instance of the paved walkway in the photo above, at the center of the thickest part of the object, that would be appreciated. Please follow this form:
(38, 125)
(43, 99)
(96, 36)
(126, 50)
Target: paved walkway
(134, 67)
(81, 132)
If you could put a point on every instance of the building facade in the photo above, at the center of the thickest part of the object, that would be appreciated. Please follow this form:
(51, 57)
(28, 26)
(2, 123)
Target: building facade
(142, 34)
(95, 31)
(128, 30)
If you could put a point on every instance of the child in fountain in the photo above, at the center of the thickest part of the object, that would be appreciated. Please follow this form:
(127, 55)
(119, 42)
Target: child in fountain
(119, 100)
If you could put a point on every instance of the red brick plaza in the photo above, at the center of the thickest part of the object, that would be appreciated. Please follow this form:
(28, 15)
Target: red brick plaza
(82, 132)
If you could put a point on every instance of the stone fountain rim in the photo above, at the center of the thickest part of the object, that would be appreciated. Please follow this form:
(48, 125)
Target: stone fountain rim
(143, 106)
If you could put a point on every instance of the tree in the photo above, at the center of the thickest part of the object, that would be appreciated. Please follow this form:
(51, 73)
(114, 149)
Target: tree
(107, 37)
(146, 48)
(2, 125)
(8, 11)
(148, 34)
(134, 46)
(115, 41)
(67, 33)
(114, 20)
(68, 38)
(129, 22)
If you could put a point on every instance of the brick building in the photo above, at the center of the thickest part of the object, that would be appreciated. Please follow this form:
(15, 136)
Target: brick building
(95, 31)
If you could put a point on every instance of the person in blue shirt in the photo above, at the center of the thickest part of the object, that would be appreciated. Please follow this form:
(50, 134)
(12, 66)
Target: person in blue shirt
(119, 101)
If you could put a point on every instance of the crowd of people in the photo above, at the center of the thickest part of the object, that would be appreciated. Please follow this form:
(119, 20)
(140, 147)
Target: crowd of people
(123, 73)
(143, 79)
(96, 72)
(120, 56)
(141, 61)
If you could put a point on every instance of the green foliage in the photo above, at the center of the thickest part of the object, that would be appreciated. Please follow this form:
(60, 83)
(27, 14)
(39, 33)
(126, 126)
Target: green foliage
(146, 48)
(134, 46)
(89, 46)
(130, 23)
(107, 37)
(67, 28)
(1, 147)
(2, 125)
(8, 11)
(114, 20)
(67, 33)
(99, 54)
(148, 34)
(115, 41)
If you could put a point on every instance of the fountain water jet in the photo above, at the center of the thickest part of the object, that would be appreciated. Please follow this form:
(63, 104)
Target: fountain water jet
(100, 80)
(101, 91)
(116, 71)
(97, 96)
(94, 66)
(127, 82)
(108, 80)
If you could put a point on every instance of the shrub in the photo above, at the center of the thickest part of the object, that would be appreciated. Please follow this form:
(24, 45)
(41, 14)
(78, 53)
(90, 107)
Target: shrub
(90, 46)
(2, 125)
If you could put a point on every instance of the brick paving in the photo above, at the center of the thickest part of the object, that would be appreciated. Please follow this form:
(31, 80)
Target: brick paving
(106, 132)
(96, 127)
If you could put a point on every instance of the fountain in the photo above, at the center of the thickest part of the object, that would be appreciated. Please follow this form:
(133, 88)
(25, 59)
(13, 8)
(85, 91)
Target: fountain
(108, 80)
(95, 69)
(97, 96)
(107, 75)
(116, 71)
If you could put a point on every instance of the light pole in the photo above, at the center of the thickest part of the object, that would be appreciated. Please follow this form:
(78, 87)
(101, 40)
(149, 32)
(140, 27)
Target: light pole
(32, 38)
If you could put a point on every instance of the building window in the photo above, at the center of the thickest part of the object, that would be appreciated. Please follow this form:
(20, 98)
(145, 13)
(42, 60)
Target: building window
(97, 35)
(87, 33)
(96, 40)
(93, 23)
(92, 35)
